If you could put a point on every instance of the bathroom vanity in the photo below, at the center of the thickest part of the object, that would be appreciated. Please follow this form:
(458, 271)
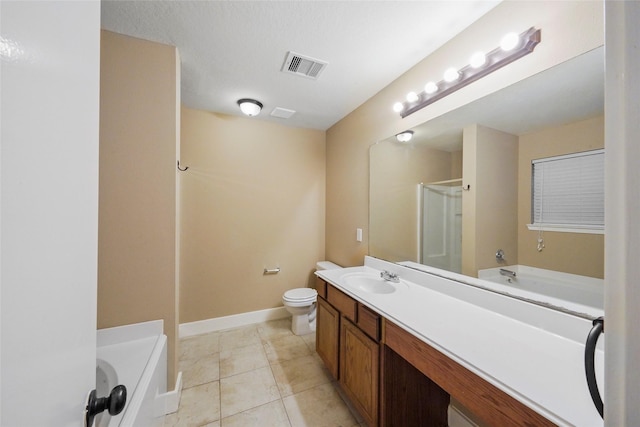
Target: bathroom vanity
(400, 351)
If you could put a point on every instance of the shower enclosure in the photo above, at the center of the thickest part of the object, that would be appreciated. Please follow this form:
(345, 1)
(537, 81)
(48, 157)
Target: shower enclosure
(440, 224)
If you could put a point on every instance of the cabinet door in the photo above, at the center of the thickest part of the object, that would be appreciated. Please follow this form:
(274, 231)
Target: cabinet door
(359, 370)
(328, 335)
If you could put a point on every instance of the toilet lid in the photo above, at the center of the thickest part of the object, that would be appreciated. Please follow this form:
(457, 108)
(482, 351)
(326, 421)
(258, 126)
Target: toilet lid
(300, 294)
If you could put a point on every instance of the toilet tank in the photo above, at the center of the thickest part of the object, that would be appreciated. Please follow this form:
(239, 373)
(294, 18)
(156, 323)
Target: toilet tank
(326, 265)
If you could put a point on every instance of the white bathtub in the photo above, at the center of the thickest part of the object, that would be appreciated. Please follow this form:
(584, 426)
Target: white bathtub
(581, 294)
(135, 356)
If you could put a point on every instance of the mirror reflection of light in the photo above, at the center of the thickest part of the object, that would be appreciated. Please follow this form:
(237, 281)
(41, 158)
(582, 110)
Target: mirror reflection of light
(509, 42)
(430, 88)
(478, 59)
(412, 97)
(397, 107)
(405, 136)
(451, 75)
(9, 49)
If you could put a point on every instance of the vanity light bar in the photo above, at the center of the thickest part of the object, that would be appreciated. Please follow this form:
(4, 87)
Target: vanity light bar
(518, 46)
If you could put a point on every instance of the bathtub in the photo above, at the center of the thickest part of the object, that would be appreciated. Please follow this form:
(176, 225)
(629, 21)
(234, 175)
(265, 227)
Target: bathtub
(580, 294)
(135, 356)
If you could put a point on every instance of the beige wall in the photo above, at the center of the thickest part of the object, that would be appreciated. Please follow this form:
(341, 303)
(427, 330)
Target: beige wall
(396, 171)
(575, 253)
(456, 164)
(568, 29)
(253, 197)
(489, 207)
(137, 212)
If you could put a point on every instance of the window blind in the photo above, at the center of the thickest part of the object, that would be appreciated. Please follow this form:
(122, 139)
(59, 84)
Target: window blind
(569, 190)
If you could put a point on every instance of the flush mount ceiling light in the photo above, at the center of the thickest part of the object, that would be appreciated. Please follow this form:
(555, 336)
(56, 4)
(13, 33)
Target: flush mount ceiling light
(512, 46)
(405, 136)
(250, 107)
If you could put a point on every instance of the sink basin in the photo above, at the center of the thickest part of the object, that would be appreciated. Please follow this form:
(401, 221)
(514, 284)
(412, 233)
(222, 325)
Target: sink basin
(371, 283)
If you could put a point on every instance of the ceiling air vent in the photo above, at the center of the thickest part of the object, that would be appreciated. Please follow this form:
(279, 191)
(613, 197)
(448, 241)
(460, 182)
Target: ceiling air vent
(282, 113)
(303, 65)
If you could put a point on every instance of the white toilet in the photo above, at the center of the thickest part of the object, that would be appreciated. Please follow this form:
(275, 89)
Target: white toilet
(301, 303)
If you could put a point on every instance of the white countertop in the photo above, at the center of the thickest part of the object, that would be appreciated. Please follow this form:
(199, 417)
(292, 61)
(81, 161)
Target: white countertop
(533, 353)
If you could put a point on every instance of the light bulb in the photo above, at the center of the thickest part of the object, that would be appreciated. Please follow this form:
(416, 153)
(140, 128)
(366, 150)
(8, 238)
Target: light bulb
(430, 88)
(412, 97)
(405, 136)
(509, 42)
(478, 59)
(451, 75)
(397, 107)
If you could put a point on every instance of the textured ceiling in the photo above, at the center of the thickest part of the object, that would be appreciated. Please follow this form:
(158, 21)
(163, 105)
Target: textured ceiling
(235, 49)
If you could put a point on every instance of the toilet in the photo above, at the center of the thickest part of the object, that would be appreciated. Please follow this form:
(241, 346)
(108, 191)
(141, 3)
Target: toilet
(301, 303)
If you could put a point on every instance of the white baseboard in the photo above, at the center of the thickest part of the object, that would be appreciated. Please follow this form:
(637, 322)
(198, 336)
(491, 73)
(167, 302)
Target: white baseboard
(233, 321)
(172, 398)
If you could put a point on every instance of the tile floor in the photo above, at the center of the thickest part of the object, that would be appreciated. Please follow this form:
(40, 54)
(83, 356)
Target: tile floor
(259, 375)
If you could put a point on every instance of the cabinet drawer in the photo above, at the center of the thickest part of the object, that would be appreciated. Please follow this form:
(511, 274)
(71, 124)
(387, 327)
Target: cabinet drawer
(342, 302)
(321, 287)
(369, 321)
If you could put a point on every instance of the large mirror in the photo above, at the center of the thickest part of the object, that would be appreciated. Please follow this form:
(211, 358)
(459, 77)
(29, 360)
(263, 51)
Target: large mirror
(458, 196)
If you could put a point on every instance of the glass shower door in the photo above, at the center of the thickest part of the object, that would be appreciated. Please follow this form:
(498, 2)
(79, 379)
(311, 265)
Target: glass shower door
(441, 225)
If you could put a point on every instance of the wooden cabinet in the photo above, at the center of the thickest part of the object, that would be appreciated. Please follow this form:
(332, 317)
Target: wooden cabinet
(328, 335)
(393, 378)
(347, 340)
(359, 370)
(409, 397)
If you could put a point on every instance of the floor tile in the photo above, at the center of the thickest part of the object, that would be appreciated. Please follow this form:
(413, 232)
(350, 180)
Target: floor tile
(348, 404)
(286, 348)
(247, 390)
(199, 346)
(243, 359)
(238, 377)
(310, 340)
(198, 406)
(272, 415)
(296, 375)
(200, 371)
(320, 406)
(241, 337)
(275, 329)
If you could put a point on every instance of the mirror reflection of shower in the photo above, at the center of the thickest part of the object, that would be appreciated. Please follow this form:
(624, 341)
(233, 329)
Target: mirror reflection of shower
(440, 227)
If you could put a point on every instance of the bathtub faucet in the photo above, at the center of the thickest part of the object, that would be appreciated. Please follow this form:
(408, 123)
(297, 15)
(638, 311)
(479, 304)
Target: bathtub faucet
(507, 273)
(390, 277)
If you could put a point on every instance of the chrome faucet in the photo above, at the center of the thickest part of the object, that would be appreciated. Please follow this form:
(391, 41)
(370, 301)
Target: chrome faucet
(507, 273)
(390, 277)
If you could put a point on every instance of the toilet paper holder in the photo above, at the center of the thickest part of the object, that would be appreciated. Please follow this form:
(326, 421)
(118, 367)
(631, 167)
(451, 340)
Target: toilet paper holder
(272, 270)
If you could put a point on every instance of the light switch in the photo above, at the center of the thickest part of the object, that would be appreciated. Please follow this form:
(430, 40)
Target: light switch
(359, 234)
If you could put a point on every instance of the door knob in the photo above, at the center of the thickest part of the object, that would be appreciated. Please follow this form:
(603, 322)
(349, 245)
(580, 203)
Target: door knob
(114, 403)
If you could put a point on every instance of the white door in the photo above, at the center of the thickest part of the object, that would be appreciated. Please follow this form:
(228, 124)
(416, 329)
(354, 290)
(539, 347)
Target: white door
(622, 207)
(49, 83)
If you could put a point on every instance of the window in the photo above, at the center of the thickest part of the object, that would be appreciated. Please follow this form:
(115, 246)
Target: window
(567, 193)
